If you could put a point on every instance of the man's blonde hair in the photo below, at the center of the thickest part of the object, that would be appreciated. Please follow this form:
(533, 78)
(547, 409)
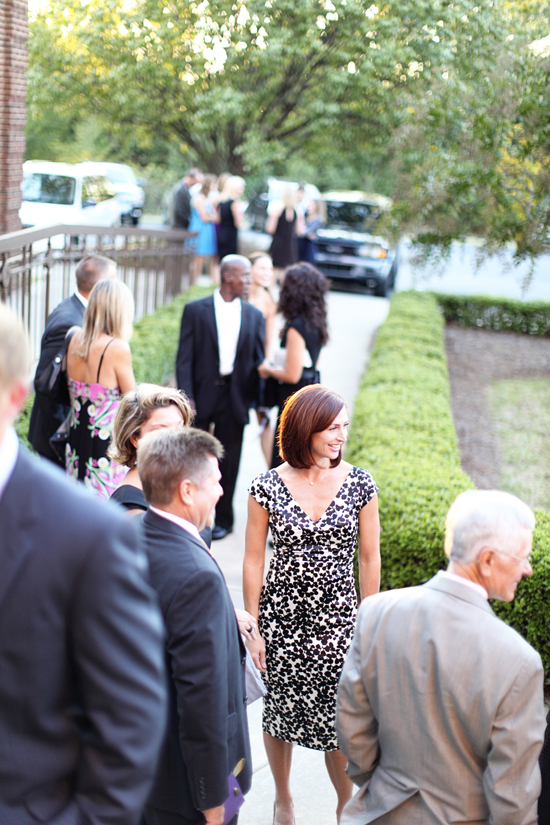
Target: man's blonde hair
(110, 310)
(14, 349)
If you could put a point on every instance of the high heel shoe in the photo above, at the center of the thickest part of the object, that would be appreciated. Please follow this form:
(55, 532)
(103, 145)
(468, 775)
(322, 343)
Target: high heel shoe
(275, 813)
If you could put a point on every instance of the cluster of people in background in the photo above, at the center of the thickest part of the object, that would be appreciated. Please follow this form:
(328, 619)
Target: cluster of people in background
(422, 698)
(213, 207)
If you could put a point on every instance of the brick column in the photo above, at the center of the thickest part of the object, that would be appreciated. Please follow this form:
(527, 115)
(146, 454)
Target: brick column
(13, 87)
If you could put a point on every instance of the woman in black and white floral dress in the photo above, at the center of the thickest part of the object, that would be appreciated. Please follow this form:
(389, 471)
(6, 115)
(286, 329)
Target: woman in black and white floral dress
(316, 506)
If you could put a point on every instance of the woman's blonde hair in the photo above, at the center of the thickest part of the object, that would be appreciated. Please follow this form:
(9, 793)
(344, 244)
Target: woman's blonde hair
(231, 188)
(134, 411)
(110, 310)
(288, 197)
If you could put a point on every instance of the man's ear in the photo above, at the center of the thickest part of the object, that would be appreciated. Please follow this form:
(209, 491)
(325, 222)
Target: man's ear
(14, 399)
(185, 491)
(485, 561)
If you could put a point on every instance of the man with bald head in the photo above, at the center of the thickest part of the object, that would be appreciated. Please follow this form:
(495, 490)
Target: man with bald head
(440, 705)
(48, 413)
(220, 349)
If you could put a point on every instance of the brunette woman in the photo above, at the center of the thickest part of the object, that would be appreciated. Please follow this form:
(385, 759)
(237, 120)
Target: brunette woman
(317, 507)
(303, 307)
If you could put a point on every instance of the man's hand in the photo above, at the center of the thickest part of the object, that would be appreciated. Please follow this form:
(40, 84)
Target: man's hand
(214, 816)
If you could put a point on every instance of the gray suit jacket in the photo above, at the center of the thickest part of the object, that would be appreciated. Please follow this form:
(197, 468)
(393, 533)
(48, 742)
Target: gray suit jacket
(440, 711)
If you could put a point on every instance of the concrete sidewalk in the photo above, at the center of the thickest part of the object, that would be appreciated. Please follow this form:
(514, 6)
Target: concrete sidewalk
(353, 321)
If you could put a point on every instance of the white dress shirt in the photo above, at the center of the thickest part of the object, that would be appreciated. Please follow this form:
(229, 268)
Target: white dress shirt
(181, 522)
(9, 450)
(228, 322)
(81, 298)
(461, 580)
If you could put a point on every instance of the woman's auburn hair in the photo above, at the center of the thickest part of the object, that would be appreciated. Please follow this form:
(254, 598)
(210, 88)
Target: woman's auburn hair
(309, 410)
(134, 410)
(110, 310)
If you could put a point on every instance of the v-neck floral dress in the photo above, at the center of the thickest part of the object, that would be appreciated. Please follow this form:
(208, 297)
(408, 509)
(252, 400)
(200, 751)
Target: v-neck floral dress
(308, 607)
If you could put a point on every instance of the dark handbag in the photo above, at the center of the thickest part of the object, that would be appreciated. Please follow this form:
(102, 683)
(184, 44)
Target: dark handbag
(276, 392)
(61, 436)
(53, 381)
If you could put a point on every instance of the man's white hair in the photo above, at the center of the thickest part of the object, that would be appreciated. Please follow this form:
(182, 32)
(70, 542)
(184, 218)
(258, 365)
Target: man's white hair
(485, 518)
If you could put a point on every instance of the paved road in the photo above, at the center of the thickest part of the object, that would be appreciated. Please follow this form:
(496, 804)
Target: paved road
(353, 320)
(496, 276)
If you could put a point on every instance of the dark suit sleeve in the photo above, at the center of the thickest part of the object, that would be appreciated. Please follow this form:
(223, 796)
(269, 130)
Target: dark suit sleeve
(197, 629)
(185, 356)
(117, 641)
(182, 206)
(544, 762)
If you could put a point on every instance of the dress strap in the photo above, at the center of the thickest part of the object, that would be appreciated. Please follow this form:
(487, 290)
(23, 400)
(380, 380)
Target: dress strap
(101, 359)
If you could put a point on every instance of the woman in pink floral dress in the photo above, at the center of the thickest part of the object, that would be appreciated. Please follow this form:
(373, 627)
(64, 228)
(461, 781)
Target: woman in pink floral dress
(99, 372)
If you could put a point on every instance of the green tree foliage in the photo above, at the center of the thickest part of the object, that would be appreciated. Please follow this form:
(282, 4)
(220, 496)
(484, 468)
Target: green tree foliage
(440, 103)
(244, 83)
(475, 149)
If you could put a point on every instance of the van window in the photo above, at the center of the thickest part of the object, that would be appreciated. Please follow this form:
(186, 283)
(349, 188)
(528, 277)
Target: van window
(39, 187)
(96, 188)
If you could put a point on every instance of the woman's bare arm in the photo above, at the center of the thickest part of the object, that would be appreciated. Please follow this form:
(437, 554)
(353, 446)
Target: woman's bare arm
(253, 571)
(122, 364)
(292, 371)
(238, 217)
(369, 549)
(271, 223)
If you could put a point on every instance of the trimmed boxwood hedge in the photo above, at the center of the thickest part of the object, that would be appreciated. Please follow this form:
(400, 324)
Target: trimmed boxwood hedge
(403, 432)
(499, 314)
(154, 345)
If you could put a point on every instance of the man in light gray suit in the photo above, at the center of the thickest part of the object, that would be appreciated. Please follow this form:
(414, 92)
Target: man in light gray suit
(440, 706)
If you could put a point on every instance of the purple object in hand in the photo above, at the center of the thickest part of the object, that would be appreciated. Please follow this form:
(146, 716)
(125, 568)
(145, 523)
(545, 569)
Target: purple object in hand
(234, 801)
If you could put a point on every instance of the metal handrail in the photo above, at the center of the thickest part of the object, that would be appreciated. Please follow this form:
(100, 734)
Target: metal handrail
(37, 266)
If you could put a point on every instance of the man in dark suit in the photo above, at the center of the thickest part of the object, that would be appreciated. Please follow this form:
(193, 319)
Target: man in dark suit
(221, 346)
(207, 728)
(82, 693)
(182, 199)
(47, 414)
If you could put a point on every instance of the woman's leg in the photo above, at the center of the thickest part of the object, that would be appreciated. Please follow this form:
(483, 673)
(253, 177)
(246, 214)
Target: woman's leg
(199, 263)
(279, 755)
(336, 767)
(214, 270)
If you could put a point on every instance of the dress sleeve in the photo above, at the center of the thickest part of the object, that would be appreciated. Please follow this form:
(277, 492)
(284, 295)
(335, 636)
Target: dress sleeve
(367, 487)
(260, 490)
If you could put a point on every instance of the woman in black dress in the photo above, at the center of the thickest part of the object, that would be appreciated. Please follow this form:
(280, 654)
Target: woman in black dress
(284, 223)
(303, 306)
(231, 216)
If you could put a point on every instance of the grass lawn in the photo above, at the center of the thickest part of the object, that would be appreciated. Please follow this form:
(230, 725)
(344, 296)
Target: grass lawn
(521, 411)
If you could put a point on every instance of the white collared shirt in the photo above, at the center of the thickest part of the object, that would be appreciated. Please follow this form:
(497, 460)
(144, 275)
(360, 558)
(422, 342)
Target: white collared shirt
(228, 322)
(9, 450)
(181, 522)
(81, 298)
(461, 580)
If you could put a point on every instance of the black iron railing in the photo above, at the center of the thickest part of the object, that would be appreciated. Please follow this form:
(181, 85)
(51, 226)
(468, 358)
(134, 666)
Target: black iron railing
(37, 267)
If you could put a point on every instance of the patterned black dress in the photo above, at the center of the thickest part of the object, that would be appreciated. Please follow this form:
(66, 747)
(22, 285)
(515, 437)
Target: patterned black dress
(308, 607)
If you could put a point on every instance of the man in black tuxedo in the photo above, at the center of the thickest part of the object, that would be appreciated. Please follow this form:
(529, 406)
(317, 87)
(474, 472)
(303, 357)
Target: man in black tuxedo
(47, 415)
(82, 693)
(207, 732)
(182, 198)
(221, 346)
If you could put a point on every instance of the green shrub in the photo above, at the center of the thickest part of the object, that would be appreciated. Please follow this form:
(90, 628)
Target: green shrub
(156, 337)
(154, 346)
(499, 314)
(403, 432)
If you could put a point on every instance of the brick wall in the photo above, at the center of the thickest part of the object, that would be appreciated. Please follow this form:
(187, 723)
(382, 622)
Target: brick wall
(13, 65)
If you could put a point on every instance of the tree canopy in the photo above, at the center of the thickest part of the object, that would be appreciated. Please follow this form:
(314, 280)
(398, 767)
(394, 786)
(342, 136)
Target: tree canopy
(443, 101)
